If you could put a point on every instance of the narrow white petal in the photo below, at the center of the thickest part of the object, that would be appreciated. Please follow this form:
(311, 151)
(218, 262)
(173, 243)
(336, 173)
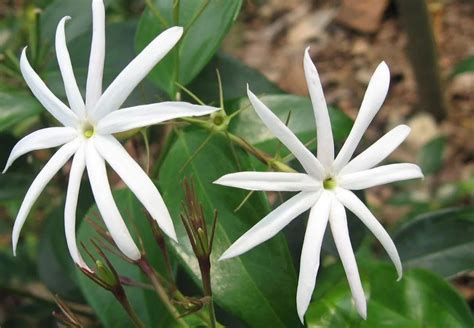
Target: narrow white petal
(271, 224)
(74, 183)
(340, 233)
(140, 116)
(378, 151)
(309, 162)
(310, 254)
(373, 100)
(97, 56)
(41, 180)
(72, 90)
(52, 104)
(41, 139)
(135, 72)
(270, 181)
(323, 123)
(380, 175)
(137, 180)
(355, 205)
(106, 204)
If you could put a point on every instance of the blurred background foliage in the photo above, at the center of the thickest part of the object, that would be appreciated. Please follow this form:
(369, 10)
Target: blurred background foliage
(431, 221)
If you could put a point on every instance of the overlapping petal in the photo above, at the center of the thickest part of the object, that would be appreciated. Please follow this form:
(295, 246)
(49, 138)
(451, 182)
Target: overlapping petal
(137, 180)
(380, 175)
(41, 139)
(373, 100)
(135, 72)
(340, 233)
(97, 57)
(72, 194)
(105, 202)
(270, 181)
(139, 116)
(76, 103)
(39, 183)
(52, 104)
(323, 124)
(309, 162)
(355, 205)
(310, 254)
(378, 151)
(271, 224)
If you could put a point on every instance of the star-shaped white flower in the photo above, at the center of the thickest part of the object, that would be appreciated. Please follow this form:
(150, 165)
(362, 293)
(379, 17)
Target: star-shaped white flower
(326, 186)
(87, 134)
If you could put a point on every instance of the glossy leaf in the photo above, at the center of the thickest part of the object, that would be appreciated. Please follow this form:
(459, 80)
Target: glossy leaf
(198, 45)
(420, 299)
(464, 66)
(431, 156)
(440, 241)
(258, 287)
(301, 122)
(16, 106)
(235, 75)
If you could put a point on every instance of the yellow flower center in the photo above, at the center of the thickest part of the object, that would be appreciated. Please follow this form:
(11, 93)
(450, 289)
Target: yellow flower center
(329, 183)
(88, 130)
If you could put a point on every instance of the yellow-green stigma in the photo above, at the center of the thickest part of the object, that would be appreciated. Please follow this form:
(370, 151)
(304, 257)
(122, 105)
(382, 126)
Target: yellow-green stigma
(88, 130)
(329, 183)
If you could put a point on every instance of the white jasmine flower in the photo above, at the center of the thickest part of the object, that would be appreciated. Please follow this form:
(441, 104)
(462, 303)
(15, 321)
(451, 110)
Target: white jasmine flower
(325, 188)
(87, 134)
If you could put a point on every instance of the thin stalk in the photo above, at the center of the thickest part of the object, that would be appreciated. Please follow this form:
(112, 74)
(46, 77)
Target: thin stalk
(157, 13)
(129, 309)
(151, 274)
(205, 268)
(147, 150)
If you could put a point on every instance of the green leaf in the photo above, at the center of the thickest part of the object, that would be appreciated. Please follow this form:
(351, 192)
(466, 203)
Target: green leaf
(249, 126)
(234, 75)
(198, 45)
(465, 65)
(257, 287)
(145, 303)
(420, 299)
(431, 155)
(16, 106)
(440, 241)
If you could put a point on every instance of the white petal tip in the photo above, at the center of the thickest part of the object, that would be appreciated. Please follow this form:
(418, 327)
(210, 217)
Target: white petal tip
(225, 256)
(400, 276)
(301, 316)
(362, 310)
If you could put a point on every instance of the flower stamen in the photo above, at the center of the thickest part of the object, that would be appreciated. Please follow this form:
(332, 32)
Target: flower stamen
(88, 130)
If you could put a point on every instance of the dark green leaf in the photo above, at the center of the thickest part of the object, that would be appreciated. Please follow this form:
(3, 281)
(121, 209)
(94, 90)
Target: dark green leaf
(464, 66)
(441, 241)
(420, 299)
(235, 75)
(432, 155)
(16, 106)
(198, 45)
(257, 287)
